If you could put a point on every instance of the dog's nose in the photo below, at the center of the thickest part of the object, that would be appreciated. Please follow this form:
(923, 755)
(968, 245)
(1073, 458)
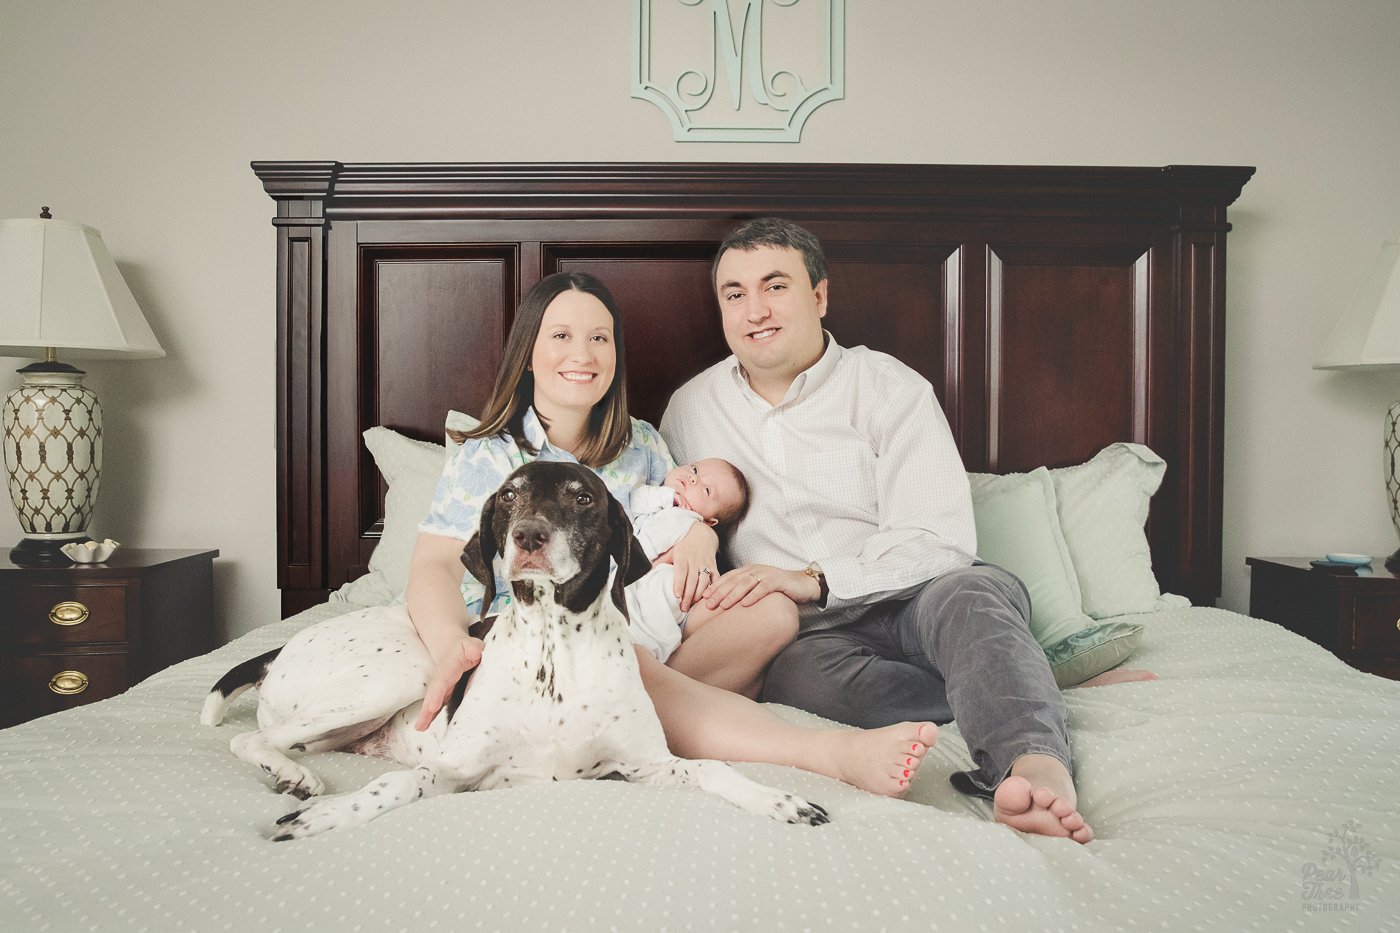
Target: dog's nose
(530, 534)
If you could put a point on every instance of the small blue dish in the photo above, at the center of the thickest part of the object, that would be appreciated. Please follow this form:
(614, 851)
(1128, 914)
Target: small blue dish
(1353, 560)
(1337, 567)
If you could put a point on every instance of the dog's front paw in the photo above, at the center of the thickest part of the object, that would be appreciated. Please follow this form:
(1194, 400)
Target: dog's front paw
(300, 782)
(793, 809)
(322, 816)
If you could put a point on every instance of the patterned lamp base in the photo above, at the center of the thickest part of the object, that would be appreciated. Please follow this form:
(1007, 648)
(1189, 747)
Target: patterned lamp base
(53, 456)
(1392, 476)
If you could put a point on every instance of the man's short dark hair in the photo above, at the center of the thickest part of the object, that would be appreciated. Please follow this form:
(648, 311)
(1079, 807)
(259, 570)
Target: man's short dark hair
(774, 231)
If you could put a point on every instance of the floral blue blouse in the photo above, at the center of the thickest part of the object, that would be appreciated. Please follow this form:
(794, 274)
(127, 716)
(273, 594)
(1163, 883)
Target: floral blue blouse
(480, 465)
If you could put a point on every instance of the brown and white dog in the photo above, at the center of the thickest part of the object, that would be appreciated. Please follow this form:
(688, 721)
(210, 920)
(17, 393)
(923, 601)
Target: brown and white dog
(558, 694)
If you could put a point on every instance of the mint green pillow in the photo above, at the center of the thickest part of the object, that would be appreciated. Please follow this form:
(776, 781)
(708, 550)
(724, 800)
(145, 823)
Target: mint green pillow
(1091, 651)
(1018, 528)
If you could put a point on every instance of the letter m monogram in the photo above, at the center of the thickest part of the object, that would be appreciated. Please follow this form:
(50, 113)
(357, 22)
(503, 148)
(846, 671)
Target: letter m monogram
(789, 55)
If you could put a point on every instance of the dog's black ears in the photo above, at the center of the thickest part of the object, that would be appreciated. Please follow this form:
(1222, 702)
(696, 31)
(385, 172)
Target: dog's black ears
(626, 551)
(479, 556)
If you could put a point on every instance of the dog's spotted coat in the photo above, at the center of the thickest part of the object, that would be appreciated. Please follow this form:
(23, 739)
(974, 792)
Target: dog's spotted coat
(558, 695)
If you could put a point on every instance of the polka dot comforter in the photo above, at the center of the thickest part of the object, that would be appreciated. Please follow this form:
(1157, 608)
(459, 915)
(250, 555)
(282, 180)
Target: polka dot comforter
(1256, 786)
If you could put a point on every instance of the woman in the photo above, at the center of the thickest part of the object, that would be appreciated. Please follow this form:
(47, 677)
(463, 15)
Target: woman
(560, 394)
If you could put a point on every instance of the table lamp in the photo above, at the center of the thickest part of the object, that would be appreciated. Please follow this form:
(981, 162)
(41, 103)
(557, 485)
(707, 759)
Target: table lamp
(60, 293)
(1368, 337)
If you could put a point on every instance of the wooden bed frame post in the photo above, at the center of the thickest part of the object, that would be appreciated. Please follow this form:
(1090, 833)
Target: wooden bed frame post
(300, 189)
(1198, 249)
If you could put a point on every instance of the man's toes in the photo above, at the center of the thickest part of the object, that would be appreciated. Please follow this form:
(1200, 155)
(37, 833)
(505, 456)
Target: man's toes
(1045, 799)
(1083, 834)
(1013, 795)
(1073, 822)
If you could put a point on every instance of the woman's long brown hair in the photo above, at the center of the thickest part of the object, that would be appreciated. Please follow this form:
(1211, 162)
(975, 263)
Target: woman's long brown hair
(609, 426)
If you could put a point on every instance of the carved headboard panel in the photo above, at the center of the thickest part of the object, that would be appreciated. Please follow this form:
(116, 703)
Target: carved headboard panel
(1054, 309)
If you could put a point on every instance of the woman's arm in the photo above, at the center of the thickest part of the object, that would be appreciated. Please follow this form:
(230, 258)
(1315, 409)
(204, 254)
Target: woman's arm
(440, 615)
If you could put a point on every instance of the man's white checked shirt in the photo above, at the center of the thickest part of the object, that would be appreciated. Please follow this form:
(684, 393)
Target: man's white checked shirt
(856, 469)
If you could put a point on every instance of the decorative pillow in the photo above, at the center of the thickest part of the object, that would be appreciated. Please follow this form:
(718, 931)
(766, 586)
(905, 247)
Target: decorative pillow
(412, 470)
(1103, 508)
(1091, 651)
(1018, 528)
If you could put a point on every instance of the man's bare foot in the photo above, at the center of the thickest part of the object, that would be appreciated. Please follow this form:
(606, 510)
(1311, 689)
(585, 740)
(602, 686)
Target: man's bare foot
(1038, 797)
(881, 761)
(1115, 677)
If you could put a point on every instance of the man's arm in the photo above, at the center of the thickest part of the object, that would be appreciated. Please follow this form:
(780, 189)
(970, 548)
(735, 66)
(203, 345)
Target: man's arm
(925, 513)
(926, 526)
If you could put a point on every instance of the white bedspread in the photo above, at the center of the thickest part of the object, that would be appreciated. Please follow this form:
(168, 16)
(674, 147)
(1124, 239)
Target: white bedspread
(1210, 791)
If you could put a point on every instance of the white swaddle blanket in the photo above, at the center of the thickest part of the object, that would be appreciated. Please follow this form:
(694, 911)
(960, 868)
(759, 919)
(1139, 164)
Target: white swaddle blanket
(654, 617)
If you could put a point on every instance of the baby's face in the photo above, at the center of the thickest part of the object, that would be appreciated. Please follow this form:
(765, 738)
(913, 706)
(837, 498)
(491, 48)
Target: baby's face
(706, 487)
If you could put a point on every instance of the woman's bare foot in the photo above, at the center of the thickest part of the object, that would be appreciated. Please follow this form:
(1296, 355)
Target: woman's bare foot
(1038, 797)
(881, 761)
(1115, 677)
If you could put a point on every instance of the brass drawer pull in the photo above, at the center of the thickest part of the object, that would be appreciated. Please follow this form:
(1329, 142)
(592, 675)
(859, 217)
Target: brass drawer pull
(68, 613)
(68, 683)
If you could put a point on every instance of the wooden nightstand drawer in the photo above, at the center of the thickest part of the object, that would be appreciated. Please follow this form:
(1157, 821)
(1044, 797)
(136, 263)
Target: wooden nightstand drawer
(40, 684)
(76, 633)
(1374, 631)
(1352, 615)
(64, 615)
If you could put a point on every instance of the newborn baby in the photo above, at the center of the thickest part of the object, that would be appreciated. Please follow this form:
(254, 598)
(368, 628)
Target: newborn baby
(712, 491)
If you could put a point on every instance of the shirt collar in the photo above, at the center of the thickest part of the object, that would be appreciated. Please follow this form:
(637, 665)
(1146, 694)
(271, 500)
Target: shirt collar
(535, 434)
(807, 381)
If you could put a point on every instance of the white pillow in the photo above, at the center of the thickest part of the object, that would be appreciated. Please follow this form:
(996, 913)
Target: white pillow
(412, 470)
(1018, 528)
(1103, 507)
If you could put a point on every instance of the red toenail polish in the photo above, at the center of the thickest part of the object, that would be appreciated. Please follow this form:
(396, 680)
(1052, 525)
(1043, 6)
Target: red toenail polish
(906, 773)
(908, 761)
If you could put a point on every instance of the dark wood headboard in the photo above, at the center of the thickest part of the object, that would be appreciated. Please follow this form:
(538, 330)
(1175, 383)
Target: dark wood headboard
(1054, 309)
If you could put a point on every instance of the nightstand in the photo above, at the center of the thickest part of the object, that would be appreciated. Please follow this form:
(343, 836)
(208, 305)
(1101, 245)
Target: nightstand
(83, 632)
(1353, 616)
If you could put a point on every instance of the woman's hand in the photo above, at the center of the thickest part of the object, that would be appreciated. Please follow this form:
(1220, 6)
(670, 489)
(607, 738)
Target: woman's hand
(440, 617)
(746, 585)
(694, 559)
(451, 668)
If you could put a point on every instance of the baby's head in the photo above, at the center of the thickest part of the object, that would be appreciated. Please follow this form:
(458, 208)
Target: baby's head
(713, 488)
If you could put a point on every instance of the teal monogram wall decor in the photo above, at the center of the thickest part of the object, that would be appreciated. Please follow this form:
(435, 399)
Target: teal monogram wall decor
(738, 70)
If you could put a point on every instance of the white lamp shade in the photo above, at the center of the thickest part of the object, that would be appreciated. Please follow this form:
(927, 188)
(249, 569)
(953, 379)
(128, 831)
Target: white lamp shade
(60, 288)
(1368, 335)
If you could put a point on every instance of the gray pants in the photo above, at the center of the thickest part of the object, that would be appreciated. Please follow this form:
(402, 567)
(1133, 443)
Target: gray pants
(961, 649)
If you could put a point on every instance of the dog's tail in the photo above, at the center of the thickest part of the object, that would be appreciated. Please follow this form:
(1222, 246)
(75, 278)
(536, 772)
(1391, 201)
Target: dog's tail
(248, 674)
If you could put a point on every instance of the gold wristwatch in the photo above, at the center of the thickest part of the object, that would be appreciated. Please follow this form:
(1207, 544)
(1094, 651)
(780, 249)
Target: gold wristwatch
(815, 572)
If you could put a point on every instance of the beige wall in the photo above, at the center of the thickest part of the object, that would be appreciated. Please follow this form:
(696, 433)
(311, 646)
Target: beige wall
(139, 117)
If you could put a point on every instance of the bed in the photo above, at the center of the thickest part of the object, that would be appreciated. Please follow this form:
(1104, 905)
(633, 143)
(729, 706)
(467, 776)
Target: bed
(1071, 321)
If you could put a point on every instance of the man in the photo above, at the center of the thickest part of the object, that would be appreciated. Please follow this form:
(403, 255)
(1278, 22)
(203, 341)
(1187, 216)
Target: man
(861, 514)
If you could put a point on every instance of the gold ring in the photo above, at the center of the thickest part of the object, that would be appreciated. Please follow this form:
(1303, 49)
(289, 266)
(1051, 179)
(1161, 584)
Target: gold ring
(755, 576)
